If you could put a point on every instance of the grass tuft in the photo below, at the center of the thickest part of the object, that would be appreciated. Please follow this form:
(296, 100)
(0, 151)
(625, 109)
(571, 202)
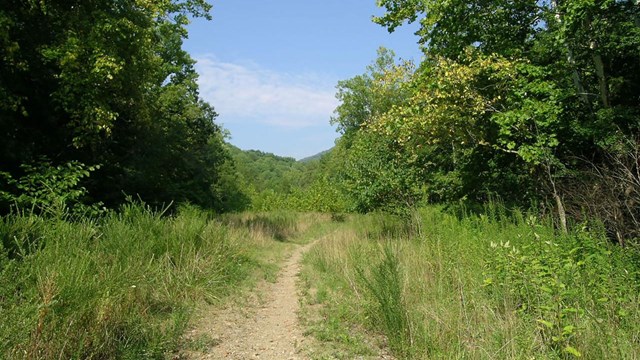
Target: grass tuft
(384, 283)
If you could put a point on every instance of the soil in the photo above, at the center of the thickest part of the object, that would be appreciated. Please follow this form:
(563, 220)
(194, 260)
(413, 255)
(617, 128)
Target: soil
(264, 326)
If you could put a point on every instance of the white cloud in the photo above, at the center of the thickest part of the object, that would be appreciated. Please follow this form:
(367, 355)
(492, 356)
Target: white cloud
(247, 92)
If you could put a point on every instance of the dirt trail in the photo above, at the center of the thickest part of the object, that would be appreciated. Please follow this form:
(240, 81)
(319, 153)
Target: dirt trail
(267, 328)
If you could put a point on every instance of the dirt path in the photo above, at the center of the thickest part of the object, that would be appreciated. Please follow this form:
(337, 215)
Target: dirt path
(266, 328)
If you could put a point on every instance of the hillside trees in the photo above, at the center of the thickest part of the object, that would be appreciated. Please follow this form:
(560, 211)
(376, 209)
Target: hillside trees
(270, 182)
(108, 83)
(517, 100)
(558, 81)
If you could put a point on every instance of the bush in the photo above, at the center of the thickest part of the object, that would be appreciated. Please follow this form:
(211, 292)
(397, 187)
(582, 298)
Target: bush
(385, 286)
(501, 284)
(564, 284)
(50, 190)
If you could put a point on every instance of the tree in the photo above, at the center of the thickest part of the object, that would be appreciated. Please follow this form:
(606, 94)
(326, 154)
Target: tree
(548, 82)
(109, 83)
(449, 27)
(364, 97)
(372, 168)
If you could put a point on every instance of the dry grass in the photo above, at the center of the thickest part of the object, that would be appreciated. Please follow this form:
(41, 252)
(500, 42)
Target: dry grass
(458, 297)
(124, 286)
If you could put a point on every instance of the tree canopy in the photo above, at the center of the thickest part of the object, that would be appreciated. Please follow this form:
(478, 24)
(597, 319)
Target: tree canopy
(109, 84)
(513, 100)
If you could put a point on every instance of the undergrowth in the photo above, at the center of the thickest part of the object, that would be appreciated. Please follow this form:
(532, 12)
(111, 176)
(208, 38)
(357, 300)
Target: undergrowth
(122, 285)
(498, 285)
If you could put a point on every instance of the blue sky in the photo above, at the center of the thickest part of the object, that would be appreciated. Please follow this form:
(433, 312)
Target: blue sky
(270, 67)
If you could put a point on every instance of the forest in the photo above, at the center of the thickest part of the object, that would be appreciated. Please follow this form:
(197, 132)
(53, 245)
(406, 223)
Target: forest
(482, 203)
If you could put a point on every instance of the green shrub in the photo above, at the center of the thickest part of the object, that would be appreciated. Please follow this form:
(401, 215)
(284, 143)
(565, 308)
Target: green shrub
(565, 284)
(50, 190)
(280, 225)
(501, 284)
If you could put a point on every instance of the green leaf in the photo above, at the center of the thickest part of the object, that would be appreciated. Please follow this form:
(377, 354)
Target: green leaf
(546, 289)
(573, 351)
(568, 330)
(546, 323)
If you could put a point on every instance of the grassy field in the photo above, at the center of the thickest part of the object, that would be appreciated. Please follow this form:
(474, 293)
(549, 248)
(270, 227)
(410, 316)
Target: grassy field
(494, 286)
(123, 286)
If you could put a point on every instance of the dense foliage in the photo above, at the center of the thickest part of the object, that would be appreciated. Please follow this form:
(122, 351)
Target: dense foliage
(108, 85)
(531, 102)
(271, 182)
(488, 286)
(262, 171)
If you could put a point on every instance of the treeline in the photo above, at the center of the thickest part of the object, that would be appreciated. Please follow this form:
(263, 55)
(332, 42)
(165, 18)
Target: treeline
(271, 182)
(101, 98)
(100, 106)
(532, 103)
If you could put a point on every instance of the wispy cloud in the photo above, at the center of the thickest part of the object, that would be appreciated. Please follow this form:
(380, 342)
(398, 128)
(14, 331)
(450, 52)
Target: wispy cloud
(249, 93)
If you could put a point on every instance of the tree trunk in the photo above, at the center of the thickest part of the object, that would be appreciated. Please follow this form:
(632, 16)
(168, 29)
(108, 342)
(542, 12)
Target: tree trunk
(599, 64)
(575, 76)
(562, 214)
(602, 79)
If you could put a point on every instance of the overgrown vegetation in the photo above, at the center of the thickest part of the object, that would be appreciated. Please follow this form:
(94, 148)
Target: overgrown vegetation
(495, 285)
(273, 183)
(109, 86)
(534, 103)
(123, 285)
(530, 102)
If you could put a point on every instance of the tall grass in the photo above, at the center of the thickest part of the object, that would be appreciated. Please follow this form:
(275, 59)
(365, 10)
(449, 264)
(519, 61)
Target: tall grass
(279, 225)
(493, 286)
(385, 284)
(118, 287)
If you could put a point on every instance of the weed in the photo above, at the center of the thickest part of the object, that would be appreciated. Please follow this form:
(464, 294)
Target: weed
(494, 285)
(330, 317)
(280, 225)
(385, 284)
(338, 217)
(120, 285)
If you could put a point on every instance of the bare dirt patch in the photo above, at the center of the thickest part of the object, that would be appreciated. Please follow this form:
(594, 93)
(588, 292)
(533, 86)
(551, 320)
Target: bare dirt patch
(262, 326)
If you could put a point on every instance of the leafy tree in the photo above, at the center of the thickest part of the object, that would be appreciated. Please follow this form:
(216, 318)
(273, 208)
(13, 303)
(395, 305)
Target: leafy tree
(581, 45)
(364, 97)
(375, 175)
(109, 83)
(544, 83)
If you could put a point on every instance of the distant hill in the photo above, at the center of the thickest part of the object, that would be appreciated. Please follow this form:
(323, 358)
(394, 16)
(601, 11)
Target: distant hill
(255, 154)
(315, 157)
(262, 171)
(265, 171)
